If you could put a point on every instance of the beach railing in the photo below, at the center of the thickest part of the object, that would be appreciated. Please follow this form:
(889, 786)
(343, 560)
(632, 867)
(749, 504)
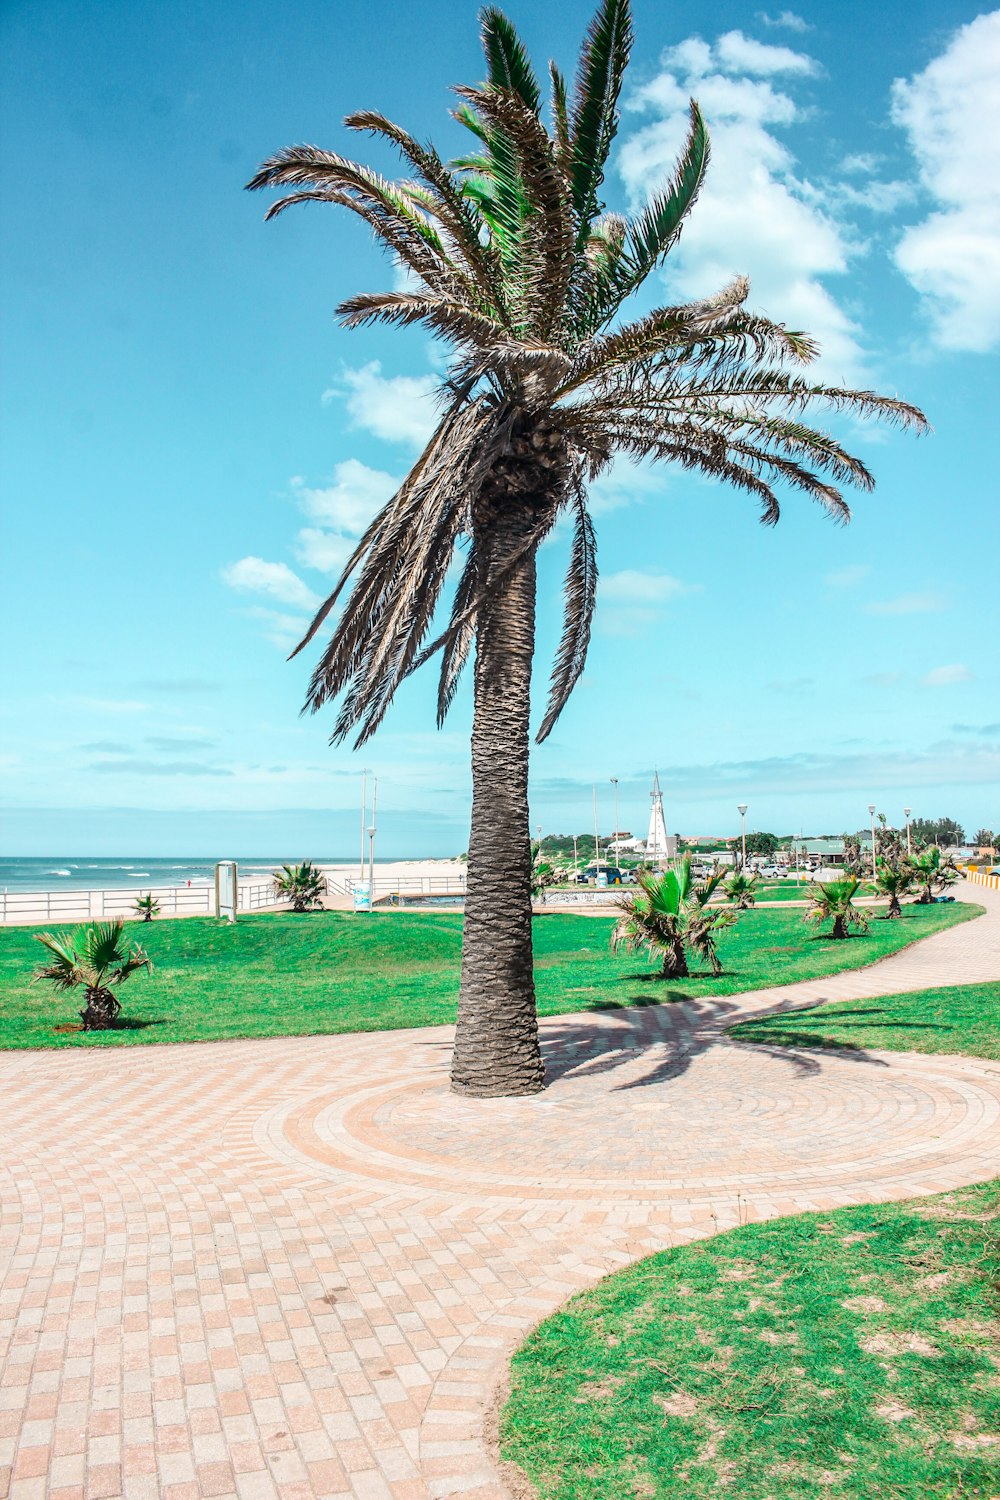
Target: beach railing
(77, 905)
(405, 885)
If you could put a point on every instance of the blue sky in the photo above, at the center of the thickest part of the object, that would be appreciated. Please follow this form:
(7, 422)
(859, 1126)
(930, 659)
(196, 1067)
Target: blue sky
(190, 442)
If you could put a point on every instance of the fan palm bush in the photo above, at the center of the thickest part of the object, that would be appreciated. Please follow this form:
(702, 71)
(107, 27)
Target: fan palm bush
(670, 916)
(513, 261)
(835, 899)
(96, 957)
(147, 908)
(894, 880)
(741, 890)
(932, 872)
(302, 886)
(543, 874)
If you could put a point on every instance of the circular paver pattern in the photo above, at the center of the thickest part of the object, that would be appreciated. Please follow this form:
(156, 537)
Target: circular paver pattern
(293, 1269)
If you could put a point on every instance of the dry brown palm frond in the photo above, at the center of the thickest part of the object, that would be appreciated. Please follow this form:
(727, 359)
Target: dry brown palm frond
(580, 598)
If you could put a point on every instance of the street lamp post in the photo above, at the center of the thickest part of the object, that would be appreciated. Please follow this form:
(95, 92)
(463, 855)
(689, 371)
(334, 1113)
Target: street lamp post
(576, 858)
(871, 810)
(741, 808)
(906, 815)
(371, 844)
(364, 820)
(618, 857)
(597, 837)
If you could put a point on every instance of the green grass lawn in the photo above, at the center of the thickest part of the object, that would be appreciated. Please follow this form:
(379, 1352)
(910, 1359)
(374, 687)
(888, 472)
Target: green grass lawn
(957, 1018)
(849, 1355)
(281, 975)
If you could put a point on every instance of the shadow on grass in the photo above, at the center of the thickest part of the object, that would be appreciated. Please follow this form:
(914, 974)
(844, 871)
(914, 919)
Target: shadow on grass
(123, 1023)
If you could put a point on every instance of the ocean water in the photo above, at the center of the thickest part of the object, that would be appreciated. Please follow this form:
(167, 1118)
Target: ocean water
(125, 874)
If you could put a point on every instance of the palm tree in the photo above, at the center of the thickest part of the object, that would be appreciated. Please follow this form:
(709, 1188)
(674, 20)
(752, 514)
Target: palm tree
(741, 890)
(932, 873)
(513, 262)
(983, 838)
(893, 880)
(96, 957)
(302, 886)
(835, 898)
(669, 916)
(146, 907)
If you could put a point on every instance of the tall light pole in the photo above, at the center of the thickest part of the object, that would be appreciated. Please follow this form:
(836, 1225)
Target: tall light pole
(364, 819)
(576, 860)
(618, 858)
(871, 809)
(741, 808)
(371, 844)
(906, 815)
(597, 837)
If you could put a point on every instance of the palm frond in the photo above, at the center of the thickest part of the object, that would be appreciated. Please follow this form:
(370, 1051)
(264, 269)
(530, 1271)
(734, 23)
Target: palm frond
(509, 66)
(580, 595)
(657, 227)
(594, 117)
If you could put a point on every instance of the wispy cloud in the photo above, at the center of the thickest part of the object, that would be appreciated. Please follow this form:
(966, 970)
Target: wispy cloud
(255, 576)
(136, 767)
(630, 602)
(908, 604)
(850, 577)
(946, 676)
(178, 742)
(180, 685)
(785, 18)
(341, 510)
(282, 630)
(106, 705)
(882, 679)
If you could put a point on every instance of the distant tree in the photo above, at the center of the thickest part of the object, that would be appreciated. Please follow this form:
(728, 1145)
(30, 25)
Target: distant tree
(761, 843)
(944, 832)
(983, 838)
(543, 874)
(890, 849)
(835, 899)
(146, 908)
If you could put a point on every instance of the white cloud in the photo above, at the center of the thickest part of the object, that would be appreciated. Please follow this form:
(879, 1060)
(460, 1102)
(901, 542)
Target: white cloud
(398, 408)
(741, 54)
(951, 112)
(946, 676)
(850, 577)
(754, 215)
(284, 631)
(786, 18)
(630, 601)
(343, 509)
(907, 604)
(631, 586)
(255, 576)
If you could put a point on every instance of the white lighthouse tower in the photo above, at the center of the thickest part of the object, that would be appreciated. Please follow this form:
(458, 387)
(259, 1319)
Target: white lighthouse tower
(659, 847)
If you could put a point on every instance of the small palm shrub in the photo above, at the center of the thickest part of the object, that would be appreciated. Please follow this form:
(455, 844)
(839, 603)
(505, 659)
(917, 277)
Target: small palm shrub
(835, 899)
(741, 890)
(98, 956)
(146, 908)
(932, 873)
(302, 886)
(670, 916)
(543, 874)
(893, 881)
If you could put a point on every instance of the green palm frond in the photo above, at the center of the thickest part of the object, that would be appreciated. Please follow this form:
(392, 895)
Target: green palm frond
(63, 970)
(509, 66)
(657, 227)
(594, 116)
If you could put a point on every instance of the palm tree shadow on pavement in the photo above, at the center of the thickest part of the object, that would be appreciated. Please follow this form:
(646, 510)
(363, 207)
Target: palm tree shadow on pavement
(662, 1043)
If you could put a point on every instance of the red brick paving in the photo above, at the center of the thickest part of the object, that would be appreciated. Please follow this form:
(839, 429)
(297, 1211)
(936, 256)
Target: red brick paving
(290, 1269)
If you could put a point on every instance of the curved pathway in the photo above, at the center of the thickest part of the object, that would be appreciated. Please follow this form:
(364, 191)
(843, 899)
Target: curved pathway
(296, 1268)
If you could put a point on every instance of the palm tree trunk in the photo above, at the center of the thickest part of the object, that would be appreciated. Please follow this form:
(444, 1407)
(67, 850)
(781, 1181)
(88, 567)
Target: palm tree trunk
(101, 1009)
(496, 1040)
(675, 964)
(839, 927)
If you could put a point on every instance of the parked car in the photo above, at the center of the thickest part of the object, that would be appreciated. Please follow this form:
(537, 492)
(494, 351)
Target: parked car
(614, 875)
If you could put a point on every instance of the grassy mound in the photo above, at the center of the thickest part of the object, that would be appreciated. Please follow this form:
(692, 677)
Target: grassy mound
(277, 974)
(852, 1355)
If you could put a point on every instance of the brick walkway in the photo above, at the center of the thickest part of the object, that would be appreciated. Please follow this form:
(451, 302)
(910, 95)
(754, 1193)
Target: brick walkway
(296, 1268)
